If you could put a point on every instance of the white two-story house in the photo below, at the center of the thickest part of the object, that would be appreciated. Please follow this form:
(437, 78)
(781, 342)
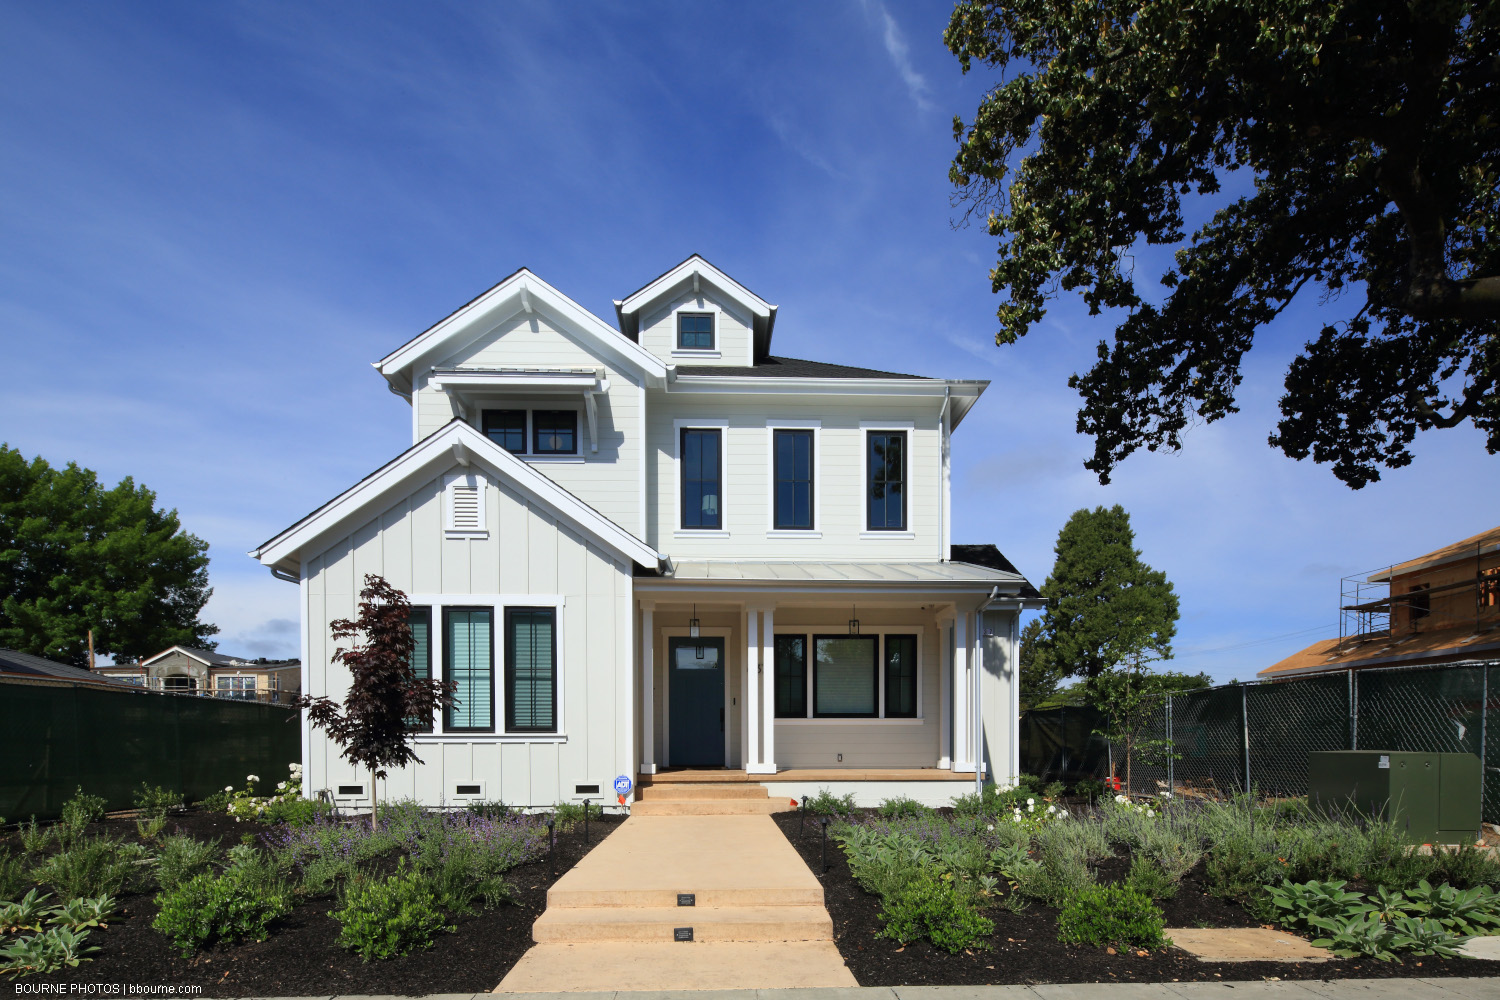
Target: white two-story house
(656, 544)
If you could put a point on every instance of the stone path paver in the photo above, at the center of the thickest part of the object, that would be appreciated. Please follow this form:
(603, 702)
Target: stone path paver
(1481, 947)
(1245, 944)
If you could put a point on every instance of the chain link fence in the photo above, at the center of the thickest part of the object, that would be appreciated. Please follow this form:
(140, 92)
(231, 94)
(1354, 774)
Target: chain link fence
(1258, 736)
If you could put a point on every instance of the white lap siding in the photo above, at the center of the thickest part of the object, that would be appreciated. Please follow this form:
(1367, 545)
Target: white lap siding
(528, 557)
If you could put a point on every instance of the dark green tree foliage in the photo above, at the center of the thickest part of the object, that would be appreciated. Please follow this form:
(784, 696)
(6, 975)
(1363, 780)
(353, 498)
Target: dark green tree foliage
(1040, 673)
(76, 556)
(1104, 606)
(1371, 133)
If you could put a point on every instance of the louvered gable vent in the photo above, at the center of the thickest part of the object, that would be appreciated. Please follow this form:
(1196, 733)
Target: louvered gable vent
(465, 502)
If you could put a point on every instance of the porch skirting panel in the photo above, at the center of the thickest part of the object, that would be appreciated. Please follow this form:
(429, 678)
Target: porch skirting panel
(868, 794)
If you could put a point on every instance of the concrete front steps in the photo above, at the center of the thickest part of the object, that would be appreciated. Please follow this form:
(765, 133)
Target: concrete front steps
(708, 798)
(661, 923)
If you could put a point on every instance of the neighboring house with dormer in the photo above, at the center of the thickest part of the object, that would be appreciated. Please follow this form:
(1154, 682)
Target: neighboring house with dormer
(188, 670)
(656, 543)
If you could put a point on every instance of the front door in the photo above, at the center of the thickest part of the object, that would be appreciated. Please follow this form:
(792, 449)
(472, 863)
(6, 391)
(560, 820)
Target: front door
(695, 686)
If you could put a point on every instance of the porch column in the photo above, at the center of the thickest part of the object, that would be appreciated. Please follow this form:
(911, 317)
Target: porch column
(768, 691)
(962, 758)
(752, 691)
(945, 686)
(648, 690)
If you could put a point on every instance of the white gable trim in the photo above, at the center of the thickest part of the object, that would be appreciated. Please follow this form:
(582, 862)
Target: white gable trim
(695, 269)
(522, 292)
(435, 454)
(176, 649)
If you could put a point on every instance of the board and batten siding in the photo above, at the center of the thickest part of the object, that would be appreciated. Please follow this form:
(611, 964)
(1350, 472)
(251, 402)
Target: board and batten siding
(608, 479)
(838, 485)
(528, 551)
(732, 330)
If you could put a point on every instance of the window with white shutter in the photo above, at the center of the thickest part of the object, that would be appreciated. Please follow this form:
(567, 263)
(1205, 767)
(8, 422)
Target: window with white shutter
(465, 502)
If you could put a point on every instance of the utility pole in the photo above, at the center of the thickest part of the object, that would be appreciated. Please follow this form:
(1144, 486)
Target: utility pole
(91, 649)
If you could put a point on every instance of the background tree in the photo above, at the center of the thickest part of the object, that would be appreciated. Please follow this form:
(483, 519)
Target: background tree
(76, 556)
(1104, 605)
(1040, 673)
(1359, 144)
(373, 725)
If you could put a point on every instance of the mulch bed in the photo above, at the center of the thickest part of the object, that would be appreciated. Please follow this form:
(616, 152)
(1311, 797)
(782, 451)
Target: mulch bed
(302, 957)
(1024, 948)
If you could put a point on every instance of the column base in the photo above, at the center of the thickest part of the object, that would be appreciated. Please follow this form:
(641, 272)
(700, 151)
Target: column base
(760, 769)
(648, 768)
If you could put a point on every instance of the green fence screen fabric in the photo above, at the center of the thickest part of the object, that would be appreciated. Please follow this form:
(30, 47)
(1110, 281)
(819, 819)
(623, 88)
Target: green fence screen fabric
(57, 737)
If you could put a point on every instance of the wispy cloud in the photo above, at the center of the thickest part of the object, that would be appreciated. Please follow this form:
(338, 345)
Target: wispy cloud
(789, 137)
(900, 53)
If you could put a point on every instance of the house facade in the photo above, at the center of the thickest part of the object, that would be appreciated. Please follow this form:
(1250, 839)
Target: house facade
(206, 672)
(655, 544)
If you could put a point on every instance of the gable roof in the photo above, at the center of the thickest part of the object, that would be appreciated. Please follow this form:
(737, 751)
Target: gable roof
(692, 271)
(458, 443)
(991, 557)
(1469, 548)
(207, 657)
(774, 367)
(520, 291)
(15, 662)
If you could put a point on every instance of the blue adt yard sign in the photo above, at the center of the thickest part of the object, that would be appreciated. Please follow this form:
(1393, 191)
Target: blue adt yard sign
(623, 785)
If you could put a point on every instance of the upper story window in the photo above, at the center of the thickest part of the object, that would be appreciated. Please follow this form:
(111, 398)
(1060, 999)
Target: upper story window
(695, 331)
(507, 428)
(554, 432)
(793, 461)
(702, 472)
(885, 489)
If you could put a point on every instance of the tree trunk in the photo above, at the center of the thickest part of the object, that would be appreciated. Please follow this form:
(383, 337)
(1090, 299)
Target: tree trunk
(374, 805)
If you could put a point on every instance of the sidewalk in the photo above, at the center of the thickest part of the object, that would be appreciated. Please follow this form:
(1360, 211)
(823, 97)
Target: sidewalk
(1336, 989)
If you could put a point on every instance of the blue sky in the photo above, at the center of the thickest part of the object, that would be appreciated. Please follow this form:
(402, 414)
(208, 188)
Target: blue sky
(216, 215)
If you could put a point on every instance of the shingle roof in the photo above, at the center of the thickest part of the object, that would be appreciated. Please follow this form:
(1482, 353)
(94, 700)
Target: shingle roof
(14, 662)
(774, 367)
(991, 556)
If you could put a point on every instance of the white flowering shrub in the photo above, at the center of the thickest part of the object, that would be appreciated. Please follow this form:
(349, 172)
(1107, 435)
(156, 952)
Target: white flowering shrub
(246, 804)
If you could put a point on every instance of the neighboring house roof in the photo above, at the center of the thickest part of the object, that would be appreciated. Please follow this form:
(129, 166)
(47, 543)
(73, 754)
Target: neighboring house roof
(1462, 642)
(693, 271)
(25, 664)
(457, 443)
(773, 367)
(207, 657)
(1482, 543)
(521, 291)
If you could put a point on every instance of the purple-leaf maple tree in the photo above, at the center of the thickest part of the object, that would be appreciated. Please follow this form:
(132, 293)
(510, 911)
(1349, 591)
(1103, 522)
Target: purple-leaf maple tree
(373, 725)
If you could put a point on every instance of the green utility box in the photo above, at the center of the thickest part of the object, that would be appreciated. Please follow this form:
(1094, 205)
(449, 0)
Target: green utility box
(1434, 797)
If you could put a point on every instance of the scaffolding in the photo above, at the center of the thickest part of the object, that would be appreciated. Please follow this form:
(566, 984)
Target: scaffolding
(1374, 605)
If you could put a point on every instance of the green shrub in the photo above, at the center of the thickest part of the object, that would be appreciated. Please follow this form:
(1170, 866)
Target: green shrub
(825, 803)
(383, 919)
(1464, 867)
(12, 875)
(82, 914)
(182, 858)
(296, 812)
(570, 814)
(1148, 877)
(1054, 790)
(1089, 788)
(97, 867)
(227, 908)
(154, 802)
(936, 908)
(489, 810)
(216, 801)
(34, 838)
(77, 813)
(1298, 905)
(1242, 863)
(25, 915)
(47, 951)
(1112, 915)
(902, 808)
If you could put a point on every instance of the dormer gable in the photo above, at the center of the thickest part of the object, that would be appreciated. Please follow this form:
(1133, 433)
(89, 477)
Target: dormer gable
(695, 314)
(519, 294)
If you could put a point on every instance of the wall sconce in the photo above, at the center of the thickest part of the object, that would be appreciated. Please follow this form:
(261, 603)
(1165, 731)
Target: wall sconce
(853, 621)
(695, 630)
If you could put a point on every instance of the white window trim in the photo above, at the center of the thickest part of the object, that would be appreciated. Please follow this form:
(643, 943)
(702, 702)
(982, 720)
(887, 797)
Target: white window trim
(526, 453)
(707, 309)
(841, 628)
(865, 427)
(497, 603)
(701, 424)
(816, 426)
(668, 633)
(473, 480)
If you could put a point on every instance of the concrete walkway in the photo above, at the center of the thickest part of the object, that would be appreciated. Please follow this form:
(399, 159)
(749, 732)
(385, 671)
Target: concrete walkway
(685, 901)
(1335, 989)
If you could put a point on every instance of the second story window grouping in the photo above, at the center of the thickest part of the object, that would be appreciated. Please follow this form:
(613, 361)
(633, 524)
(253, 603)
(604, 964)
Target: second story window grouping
(793, 463)
(885, 490)
(695, 331)
(507, 428)
(702, 471)
(553, 432)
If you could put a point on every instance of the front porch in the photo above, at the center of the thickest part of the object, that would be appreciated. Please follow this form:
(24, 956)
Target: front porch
(712, 775)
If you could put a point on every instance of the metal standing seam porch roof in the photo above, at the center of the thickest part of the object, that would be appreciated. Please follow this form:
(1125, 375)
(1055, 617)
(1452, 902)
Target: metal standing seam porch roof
(878, 573)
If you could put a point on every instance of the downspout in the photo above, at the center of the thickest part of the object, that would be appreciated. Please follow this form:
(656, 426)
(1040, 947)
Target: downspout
(979, 691)
(282, 574)
(944, 552)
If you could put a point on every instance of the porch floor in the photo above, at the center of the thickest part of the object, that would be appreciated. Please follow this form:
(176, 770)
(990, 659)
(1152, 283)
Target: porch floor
(668, 775)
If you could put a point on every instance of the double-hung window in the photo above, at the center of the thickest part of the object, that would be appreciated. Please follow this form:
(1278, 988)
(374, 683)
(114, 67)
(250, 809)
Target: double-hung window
(791, 676)
(469, 664)
(792, 455)
(702, 471)
(695, 331)
(900, 676)
(885, 488)
(420, 619)
(554, 432)
(530, 670)
(507, 428)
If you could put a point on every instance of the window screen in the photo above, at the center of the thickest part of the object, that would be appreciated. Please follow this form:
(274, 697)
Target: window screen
(701, 474)
(794, 478)
(844, 676)
(695, 331)
(420, 620)
(530, 670)
(469, 662)
(507, 428)
(791, 676)
(900, 677)
(554, 432)
(886, 491)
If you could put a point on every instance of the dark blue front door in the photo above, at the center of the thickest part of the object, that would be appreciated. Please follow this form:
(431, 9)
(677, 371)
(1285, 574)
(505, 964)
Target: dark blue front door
(696, 689)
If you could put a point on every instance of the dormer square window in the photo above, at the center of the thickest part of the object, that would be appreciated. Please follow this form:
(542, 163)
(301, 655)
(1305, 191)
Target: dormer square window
(554, 432)
(695, 331)
(507, 428)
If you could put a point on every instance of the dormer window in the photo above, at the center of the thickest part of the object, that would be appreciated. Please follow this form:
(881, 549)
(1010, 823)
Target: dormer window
(507, 428)
(695, 331)
(554, 432)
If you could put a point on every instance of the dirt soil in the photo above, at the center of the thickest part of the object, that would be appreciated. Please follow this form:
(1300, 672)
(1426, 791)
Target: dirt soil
(302, 957)
(1024, 948)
